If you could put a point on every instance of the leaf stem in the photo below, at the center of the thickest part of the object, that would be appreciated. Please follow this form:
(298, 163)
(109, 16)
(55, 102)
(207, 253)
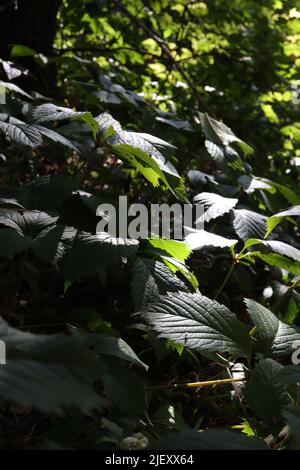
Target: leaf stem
(228, 276)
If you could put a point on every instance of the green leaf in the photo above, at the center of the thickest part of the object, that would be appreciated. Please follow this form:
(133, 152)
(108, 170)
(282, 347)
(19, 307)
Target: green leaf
(277, 246)
(279, 261)
(175, 248)
(94, 253)
(22, 51)
(289, 374)
(124, 387)
(151, 278)
(249, 224)
(284, 249)
(50, 244)
(198, 239)
(12, 242)
(19, 132)
(215, 205)
(28, 223)
(36, 230)
(265, 396)
(58, 138)
(49, 372)
(156, 141)
(289, 195)
(275, 338)
(252, 183)
(175, 265)
(139, 152)
(50, 112)
(198, 323)
(273, 221)
(225, 157)
(108, 346)
(179, 125)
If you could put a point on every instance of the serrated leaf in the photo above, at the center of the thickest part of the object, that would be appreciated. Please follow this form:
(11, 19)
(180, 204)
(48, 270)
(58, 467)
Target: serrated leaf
(175, 248)
(141, 153)
(279, 261)
(108, 346)
(215, 205)
(50, 244)
(10, 203)
(151, 278)
(90, 254)
(124, 387)
(277, 246)
(156, 141)
(198, 323)
(252, 183)
(198, 178)
(249, 224)
(289, 374)
(198, 239)
(289, 195)
(35, 230)
(12, 242)
(178, 124)
(28, 223)
(119, 348)
(175, 265)
(275, 338)
(50, 112)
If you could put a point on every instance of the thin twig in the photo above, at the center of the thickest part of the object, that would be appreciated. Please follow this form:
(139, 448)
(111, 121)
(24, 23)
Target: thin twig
(228, 276)
(205, 383)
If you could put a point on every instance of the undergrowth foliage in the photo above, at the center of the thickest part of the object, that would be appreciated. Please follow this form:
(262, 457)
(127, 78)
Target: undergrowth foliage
(104, 335)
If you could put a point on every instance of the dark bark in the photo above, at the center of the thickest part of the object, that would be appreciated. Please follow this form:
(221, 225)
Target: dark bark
(31, 23)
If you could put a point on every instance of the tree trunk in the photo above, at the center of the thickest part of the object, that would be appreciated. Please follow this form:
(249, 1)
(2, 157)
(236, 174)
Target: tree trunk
(31, 23)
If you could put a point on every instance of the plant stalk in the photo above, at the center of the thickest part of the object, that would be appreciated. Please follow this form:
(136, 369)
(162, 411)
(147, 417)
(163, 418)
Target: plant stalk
(228, 276)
